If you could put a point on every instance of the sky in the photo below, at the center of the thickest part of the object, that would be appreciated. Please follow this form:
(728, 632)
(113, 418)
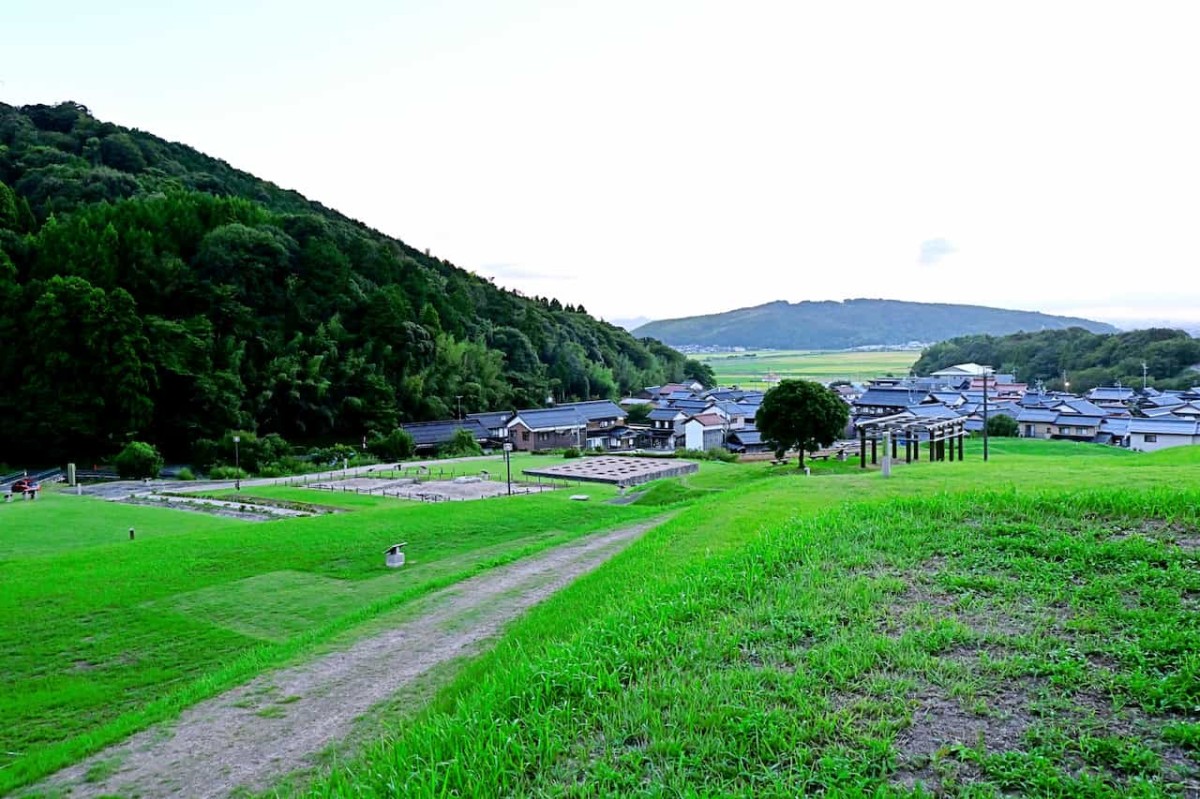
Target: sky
(666, 158)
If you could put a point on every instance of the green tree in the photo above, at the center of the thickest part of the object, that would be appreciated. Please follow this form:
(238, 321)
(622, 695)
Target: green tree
(461, 444)
(702, 373)
(395, 446)
(1002, 425)
(801, 415)
(638, 414)
(138, 460)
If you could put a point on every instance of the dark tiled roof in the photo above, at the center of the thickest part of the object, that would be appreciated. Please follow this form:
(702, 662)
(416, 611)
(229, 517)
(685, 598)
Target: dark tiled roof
(596, 409)
(664, 414)
(891, 397)
(1177, 427)
(427, 434)
(747, 437)
(492, 419)
(550, 418)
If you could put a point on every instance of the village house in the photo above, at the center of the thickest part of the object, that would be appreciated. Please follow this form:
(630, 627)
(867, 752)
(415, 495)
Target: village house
(1148, 435)
(666, 428)
(579, 424)
(704, 432)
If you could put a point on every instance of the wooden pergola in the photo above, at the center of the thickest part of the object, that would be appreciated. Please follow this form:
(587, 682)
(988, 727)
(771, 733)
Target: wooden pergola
(912, 430)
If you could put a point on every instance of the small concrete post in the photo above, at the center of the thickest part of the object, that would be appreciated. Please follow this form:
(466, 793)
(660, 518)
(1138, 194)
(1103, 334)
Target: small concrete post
(887, 453)
(130, 533)
(395, 555)
(70, 474)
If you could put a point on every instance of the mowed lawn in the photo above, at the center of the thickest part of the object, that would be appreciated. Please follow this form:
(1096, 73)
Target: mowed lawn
(100, 635)
(749, 370)
(1029, 626)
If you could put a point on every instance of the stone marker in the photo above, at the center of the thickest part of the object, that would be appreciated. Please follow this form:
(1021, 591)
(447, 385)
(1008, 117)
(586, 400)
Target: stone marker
(395, 555)
(580, 497)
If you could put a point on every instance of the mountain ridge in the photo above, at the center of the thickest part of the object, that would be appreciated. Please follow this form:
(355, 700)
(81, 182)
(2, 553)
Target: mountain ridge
(160, 294)
(856, 322)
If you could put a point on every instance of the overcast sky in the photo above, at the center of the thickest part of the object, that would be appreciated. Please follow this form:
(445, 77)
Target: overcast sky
(663, 158)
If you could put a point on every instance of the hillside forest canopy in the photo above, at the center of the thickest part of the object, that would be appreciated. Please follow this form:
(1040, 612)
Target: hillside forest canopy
(1076, 356)
(150, 292)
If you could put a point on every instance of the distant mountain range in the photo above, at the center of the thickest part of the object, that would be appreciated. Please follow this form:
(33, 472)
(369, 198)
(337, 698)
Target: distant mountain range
(852, 323)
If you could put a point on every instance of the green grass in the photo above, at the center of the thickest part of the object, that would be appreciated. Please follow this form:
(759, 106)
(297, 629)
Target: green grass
(100, 636)
(852, 635)
(781, 635)
(749, 370)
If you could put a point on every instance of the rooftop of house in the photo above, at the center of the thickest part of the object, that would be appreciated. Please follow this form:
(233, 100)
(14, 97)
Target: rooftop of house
(708, 420)
(1176, 427)
(440, 432)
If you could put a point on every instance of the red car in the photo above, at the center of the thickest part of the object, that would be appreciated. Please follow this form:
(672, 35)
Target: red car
(24, 485)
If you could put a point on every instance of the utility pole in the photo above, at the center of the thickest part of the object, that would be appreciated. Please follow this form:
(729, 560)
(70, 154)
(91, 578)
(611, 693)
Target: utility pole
(985, 413)
(1145, 372)
(237, 465)
(459, 398)
(508, 464)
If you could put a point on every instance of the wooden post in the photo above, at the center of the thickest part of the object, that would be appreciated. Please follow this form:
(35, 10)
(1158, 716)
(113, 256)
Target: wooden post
(932, 447)
(961, 431)
(874, 446)
(895, 445)
(950, 435)
(907, 447)
(862, 448)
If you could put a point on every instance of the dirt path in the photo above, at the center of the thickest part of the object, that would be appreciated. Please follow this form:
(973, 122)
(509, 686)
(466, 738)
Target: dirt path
(251, 736)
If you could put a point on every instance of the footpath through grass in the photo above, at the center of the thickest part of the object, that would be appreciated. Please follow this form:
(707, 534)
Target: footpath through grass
(101, 636)
(851, 635)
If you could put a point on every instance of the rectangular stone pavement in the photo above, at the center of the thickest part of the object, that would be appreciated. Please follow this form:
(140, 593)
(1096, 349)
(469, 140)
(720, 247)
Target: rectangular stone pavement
(627, 471)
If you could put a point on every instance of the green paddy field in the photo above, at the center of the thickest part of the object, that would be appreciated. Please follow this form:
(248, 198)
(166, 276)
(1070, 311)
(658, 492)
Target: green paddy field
(751, 369)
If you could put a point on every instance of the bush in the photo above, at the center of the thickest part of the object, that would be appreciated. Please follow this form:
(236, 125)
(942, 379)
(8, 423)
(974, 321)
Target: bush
(395, 446)
(463, 443)
(711, 454)
(571, 452)
(138, 460)
(185, 474)
(1002, 425)
(332, 455)
(227, 473)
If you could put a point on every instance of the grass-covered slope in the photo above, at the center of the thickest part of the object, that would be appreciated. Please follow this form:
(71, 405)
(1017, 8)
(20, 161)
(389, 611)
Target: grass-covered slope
(100, 635)
(853, 636)
(851, 323)
(149, 291)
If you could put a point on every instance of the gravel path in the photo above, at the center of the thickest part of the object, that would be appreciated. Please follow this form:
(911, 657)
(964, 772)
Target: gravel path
(255, 734)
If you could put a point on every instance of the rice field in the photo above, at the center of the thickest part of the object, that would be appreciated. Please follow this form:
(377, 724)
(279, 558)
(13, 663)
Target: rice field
(754, 369)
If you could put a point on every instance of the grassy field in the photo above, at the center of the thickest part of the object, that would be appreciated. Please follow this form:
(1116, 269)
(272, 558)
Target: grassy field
(851, 635)
(782, 635)
(749, 370)
(100, 635)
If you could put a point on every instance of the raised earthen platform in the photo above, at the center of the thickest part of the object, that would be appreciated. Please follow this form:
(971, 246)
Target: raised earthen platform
(628, 471)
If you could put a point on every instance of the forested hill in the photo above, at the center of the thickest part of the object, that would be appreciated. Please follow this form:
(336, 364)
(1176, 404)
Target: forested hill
(1085, 359)
(148, 291)
(852, 323)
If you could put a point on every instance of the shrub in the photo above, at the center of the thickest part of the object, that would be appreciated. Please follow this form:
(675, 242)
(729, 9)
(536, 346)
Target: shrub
(1002, 425)
(227, 473)
(462, 443)
(571, 452)
(185, 474)
(395, 446)
(137, 460)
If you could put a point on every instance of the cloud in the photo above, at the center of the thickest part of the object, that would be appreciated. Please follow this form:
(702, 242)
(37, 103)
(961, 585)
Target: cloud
(934, 250)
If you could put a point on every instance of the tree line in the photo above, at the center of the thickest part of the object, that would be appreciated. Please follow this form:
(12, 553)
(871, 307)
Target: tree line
(1075, 356)
(149, 292)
